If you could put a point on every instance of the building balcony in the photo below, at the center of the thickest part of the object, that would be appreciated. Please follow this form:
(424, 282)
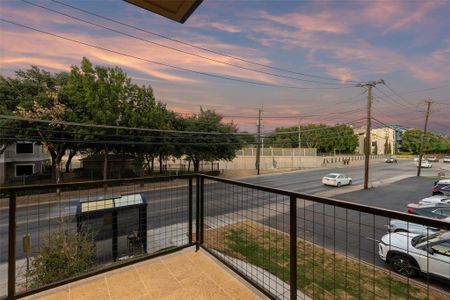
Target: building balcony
(202, 237)
(186, 274)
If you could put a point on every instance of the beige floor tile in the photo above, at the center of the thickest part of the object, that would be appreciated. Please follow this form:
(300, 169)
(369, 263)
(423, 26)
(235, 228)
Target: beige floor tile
(95, 290)
(183, 270)
(52, 295)
(125, 285)
(152, 266)
(238, 290)
(186, 275)
(160, 283)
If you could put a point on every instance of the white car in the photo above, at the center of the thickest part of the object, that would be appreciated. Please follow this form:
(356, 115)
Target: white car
(436, 199)
(425, 164)
(409, 254)
(446, 159)
(336, 179)
(403, 226)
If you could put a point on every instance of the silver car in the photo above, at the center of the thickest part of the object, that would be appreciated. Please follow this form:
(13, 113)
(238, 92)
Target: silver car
(403, 226)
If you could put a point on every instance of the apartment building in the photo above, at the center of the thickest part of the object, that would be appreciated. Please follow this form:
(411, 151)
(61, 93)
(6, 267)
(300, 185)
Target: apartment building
(22, 159)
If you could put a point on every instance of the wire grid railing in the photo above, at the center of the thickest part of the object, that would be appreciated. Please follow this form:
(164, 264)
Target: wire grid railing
(294, 246)
(288, 245)
(100, 225)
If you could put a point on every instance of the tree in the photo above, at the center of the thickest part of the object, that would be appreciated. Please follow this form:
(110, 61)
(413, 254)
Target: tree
(433, 142)
(40, 97)
(200, 147)
(98, 96)
(387, 146)
(320, 136)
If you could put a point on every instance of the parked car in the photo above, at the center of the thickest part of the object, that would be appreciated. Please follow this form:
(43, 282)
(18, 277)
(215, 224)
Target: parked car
(410, 254)
(336, 179)
(416, 159)
(438, 211)
(446, 160)
(441, 187)
(436, 199)
(403, 226)
(391, 159)
(425, 164)
(433, 159)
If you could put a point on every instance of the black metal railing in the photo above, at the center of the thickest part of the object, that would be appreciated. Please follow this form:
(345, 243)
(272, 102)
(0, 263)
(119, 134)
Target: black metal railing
(108, 223)
(288, 245)
(292, 245)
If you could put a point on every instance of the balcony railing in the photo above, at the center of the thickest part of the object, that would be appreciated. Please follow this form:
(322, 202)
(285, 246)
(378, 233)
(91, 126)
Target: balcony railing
(288, 245)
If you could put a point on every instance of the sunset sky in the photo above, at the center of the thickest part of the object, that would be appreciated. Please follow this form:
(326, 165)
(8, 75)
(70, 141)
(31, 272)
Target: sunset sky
(406, 43)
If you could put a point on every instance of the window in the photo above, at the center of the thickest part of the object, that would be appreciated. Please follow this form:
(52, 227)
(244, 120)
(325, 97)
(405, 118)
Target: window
(23, 170)
(442, 211)
(442, 248)
(24, 148)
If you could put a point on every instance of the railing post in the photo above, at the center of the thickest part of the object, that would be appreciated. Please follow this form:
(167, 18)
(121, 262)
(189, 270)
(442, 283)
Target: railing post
(12, 246)
(293, 247)
(190, 211)
(197, 213)
(202, 209)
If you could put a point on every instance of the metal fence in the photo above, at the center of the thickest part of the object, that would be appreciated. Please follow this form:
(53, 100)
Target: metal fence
(288, 245)
(297, 246)
(94, 226)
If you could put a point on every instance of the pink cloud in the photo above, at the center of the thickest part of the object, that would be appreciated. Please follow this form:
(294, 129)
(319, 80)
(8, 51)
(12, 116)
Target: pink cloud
(320, 22)
(417, 16)
(204, 22)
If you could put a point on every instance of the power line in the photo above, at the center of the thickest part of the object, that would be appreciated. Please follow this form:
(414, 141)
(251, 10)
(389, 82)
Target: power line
(195, 46)
(394, 101)
(176, 49)
(308, 130)
(115, 127)
(164, 64)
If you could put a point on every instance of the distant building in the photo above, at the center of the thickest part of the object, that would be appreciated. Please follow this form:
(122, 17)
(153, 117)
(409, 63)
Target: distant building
(399, 130)
(22, 159)
(117, 165)
(383, 140)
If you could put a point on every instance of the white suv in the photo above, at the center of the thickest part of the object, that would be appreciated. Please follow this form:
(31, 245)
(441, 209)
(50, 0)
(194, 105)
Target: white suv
(409, 254)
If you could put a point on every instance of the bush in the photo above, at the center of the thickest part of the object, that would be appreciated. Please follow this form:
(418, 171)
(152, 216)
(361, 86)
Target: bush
(62, 256)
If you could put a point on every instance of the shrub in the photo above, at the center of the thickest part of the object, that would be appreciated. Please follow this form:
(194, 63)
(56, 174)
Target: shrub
(64, 255)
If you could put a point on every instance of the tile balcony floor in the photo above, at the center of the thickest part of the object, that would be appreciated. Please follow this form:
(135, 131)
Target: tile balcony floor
(182, 275)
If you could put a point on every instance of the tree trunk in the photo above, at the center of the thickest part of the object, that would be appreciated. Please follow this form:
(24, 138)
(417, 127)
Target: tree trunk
(105, 164)
(72, 153)
(122, 163)
(160, 163)
(152, 169)
(189, 166)
(196, 165)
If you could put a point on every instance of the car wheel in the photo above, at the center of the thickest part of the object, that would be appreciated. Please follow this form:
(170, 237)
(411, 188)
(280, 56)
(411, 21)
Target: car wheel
(350, 182)
(404, 266)
(338, 184)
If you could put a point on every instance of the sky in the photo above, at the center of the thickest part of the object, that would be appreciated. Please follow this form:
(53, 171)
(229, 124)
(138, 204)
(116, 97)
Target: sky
(299, 61)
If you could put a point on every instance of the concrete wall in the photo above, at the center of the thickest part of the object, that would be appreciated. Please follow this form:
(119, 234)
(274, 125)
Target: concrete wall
(292, 162)
(278, 152)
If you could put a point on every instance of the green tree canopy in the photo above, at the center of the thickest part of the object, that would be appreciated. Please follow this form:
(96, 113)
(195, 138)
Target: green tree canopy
(433, 143)
(201, 147)
(320, 136)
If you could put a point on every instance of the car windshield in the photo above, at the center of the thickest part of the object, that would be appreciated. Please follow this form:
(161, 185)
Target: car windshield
(426, 239)
(332, 175)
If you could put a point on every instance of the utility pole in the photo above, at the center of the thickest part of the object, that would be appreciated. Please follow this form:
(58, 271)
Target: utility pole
(369, 85)
(422, 139)
(258, 141)
(299, 140)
